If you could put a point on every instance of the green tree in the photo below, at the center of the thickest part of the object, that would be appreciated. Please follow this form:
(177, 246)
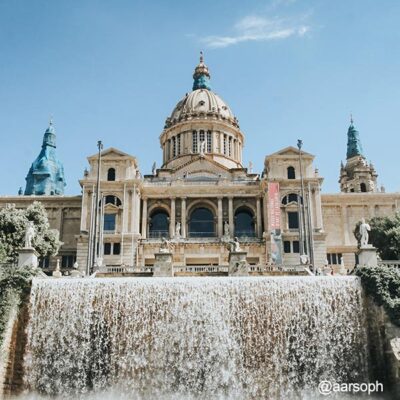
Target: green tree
(13, 222)
(384, 235)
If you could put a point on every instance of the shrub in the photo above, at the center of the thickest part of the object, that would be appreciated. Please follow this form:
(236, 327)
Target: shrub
(382, 283)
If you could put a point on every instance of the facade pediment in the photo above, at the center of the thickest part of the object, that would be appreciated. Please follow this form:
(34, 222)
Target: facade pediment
(112, 154)
(290, 151)
(201, 167)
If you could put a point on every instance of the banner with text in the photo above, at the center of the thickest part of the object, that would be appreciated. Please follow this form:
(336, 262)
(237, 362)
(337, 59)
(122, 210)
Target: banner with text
(274, 206)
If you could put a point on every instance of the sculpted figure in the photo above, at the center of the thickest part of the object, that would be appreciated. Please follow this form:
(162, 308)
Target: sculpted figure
(29, 234)
(363, 230)
(235, 245)
(178, 229)
(202, 148)
(165, 246)
(226, 229)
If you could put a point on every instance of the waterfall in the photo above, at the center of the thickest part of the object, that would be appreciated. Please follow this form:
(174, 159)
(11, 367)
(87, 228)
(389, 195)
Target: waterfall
(195, 338)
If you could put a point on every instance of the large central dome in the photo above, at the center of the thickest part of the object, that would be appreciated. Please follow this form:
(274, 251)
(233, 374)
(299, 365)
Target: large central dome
(202, 116)
(202, 101)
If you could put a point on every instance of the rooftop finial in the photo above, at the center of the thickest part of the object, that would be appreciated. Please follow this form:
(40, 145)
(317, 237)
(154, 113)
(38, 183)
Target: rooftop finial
(201, 56)
(351, 119)
(51, 120)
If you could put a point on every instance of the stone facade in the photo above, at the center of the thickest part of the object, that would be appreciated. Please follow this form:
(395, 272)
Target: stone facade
(202, 197)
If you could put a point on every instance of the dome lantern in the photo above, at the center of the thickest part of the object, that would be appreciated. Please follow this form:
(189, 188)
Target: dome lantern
(201, 75)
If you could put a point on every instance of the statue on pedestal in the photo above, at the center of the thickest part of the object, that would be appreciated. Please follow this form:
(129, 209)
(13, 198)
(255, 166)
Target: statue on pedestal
(165, 246)
(30, 234)
(235, 246)
(363, 230)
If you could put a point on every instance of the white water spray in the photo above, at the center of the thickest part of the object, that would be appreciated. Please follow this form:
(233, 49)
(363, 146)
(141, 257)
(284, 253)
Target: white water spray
(181, 338)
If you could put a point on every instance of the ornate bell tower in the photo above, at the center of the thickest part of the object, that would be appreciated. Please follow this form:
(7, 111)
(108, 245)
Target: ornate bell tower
(357, 175)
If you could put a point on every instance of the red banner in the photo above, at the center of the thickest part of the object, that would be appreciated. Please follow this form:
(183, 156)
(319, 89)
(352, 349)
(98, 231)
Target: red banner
(274, 206)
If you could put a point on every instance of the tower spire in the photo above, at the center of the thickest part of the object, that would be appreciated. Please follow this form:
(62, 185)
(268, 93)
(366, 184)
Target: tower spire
(354, 147)
(201, 75)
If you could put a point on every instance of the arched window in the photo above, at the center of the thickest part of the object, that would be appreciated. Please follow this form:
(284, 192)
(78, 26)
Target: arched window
(111, 199)
(201, 223)
(244, 223)
(291, 198)
(291, 173)
(111, 174)
(363, 187)
(159, 224)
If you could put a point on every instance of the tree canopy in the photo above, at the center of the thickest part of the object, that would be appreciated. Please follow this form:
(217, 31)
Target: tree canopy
(384, 235)
(13, 223)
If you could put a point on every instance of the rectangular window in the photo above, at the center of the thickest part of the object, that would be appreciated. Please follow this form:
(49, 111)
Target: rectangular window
(173, 146)
(286, 246)
(201, 137)
(209, 142)
(293, 220)
(334, 258)
(109, 222)
(178, 144)
(107, 249)
(194, 142)
(296, 246)
(230, 146)
(67, 261)
(44, 262)
(225, 139)
(117, 248)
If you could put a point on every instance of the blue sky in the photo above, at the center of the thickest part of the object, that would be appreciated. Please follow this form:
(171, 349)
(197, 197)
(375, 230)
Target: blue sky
(114, 70)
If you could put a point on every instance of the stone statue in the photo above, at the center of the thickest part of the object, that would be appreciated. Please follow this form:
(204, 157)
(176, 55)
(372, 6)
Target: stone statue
(178, 230)
(226, 229)
(153, 168)
(165, 246)
(30, 234)
(203, 148)
(235, 245)
(363, 230)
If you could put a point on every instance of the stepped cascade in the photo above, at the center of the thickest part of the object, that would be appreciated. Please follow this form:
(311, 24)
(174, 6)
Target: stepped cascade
(219, 338)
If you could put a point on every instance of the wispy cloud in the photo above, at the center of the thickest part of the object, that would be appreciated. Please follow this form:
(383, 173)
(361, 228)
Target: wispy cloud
(256, 28)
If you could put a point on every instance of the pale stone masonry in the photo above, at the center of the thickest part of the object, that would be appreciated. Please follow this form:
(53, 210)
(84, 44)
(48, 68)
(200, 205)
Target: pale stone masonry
(202, 192)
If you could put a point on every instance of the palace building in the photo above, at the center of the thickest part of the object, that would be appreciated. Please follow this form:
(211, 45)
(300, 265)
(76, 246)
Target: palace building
(202, 196)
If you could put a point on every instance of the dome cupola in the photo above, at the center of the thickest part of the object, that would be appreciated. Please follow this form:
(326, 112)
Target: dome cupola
(201, 75)
(202, 124)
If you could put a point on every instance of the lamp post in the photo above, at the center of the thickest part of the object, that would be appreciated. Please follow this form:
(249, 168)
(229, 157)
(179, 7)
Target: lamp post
(304, 236)
(96, 234)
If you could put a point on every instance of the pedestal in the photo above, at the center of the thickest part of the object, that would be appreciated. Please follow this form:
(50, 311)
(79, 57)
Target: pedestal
(367, 257)
(27, 257)
(163, 265)
(238, 264)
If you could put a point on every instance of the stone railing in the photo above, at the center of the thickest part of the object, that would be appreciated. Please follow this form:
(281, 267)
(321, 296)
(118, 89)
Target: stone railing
(389, 263)
(201, 268)
(280, 268)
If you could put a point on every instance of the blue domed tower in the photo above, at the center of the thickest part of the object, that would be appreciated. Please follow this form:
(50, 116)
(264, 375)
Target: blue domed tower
(357, 175)
(46, 175)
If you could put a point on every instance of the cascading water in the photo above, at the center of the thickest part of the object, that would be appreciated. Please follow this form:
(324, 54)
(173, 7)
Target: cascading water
(215, 338)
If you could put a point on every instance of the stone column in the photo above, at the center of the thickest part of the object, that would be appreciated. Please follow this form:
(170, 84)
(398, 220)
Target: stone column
(124, 225)
(219, 226)
(318, 209)
(230, 216)
(172, 219)
(85, 200)
(265, 212)
(259, 222)
(144, 219)
(183, 217)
